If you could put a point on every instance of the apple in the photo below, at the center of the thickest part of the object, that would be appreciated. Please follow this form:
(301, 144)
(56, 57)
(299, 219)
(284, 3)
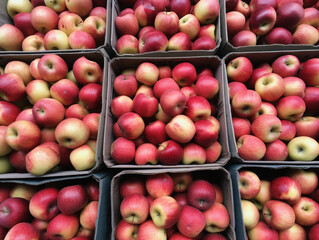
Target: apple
(197, 108)
(57, 6)
(289, 15)
(81, 40)
(179, 42)
(82, 7)
(122, 150)
(131, 125)
(294, 232)
(48, 112)
(266, 127)
(52, 67)
(167, 22)
(9, 81)
(76, 111)
(184, 74)
(169, 152)
(180, 7)
(158, 185)
(234, 87)
(134, 208)
(270, 87)
(127, 44)
(204, 43)
(13, 37)
(125, 85)
(244, 38)
(286, 189)
(90, 95)
(181, 129)
(262, 232)
(22, 230)
(70, 22)
(146, 153)
(99, 11)
(313, 232)
(206, 11)
(37, 89)
(246, 103)
(241, 126)
(163, 85)
(71, 199)
(148, 230)
(147, 73)
(250, 147)
(278, 35)
(263, 195)
(272, 213)
(262, 20)
(130, 185)
(190, 25)
(286, 65)
(191, 222)
(13, 211)
(288, 130)
(291, 108)
(152, 41)
(308, 72)
(235, 22)
(22, 190)
(165, 211)
(194, 154)
(311, 16)
(303, 148)
(201, 194)
(207, 31)
(56, 40)
(22, 135)
(207, 87)
(250, 214)
(308, 126)
(145, 13)
(21, 68)
(239, 69)
(87, 71)
(307, 211)
(63, 226)
(217, 218)
(40, 16)
(302, 30)
(249, 184)
(276, 151)
(307, 179)
(43, 204)
(96, 27)
(42, 158)
(65, 91)
(125, 230)
(15, 7)
(294, 86)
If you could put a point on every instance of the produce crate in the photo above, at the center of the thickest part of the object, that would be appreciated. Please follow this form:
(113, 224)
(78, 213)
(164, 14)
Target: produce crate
(256, 58)
(266, 172)
(216, 175)
(102, 229)
(69, 58)
(5, 18)
(227, 47)
(116, 8)
(117, 65)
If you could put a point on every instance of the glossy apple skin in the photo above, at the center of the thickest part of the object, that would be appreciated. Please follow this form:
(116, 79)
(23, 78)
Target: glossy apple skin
(201, 194)
(285, 188)
(169, 152)
(265, 15)
(153, 41)
(71, 199)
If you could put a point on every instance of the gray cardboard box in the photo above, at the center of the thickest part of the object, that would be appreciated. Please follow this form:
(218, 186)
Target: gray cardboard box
(116, 8)
(227, 47)
(5, 18)
(116, 65)
(216, 175)
(267, 172)
(102, 228)
(69, 57)
(257, 58)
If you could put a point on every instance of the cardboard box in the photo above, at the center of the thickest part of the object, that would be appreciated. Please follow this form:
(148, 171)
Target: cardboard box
(5, 18)
(226, 47)
(267, 172)
(102, 229)
(257, 58)
(216, 175)
(69, 57)
(116, 8)
(117, 65)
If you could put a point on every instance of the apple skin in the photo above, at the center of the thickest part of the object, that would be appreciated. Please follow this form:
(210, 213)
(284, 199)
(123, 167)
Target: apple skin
(117, 153)
(294, 86)
(276, 151)
(290, 108)
(180, 7)
(309, 71)
(239, 69)
(87, 71)
(189, 25)
(40, 16)
(14, 37)
(167, 22)
(242, 126)
(289, 15)
(250, 214)
(235, 22)
(125, 85)
(308, 126)
(146, 154)
(207, 87)
(134, 208)
(148, 230)
(251, 148)
(204, 43)
(159, 185)
(165, 211)
(197, 108)
(70, 22)
(76, 111)
(131, 125)
(181, 129)
(249, 184)
(153, 41)
(130, 185)
(191, 222)
(201, 194)
(288, 130)
(206, 132)
(313, 232)
(9, 81)
(71, 199)
(22, 230)
(127, 44)
(63, 226)
(305, 30)
(270, 87)
(294, 232)
(163, 85)
(156, 128)
(90, 95)
(170, 152)
(23, 22)
(303, 148)
(43, 204)
(262, 20)
(286, 66)
(13, 211)
(217, 218)
(144, 105)
(52, 67)
(273, 214)
(206, 11)
(82, 7)
(311, 15)
(179, 42)
(184, 74)
(262, 232)
(286, 189)
(81, 40)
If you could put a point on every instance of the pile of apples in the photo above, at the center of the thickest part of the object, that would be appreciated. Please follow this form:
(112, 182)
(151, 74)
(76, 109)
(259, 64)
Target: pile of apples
(168, 25)
(49, 114)
(40, 25)
(48, 212)
(275, 108)
(171, 206)
(283, 207)
(165, 115)
(272, 22)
